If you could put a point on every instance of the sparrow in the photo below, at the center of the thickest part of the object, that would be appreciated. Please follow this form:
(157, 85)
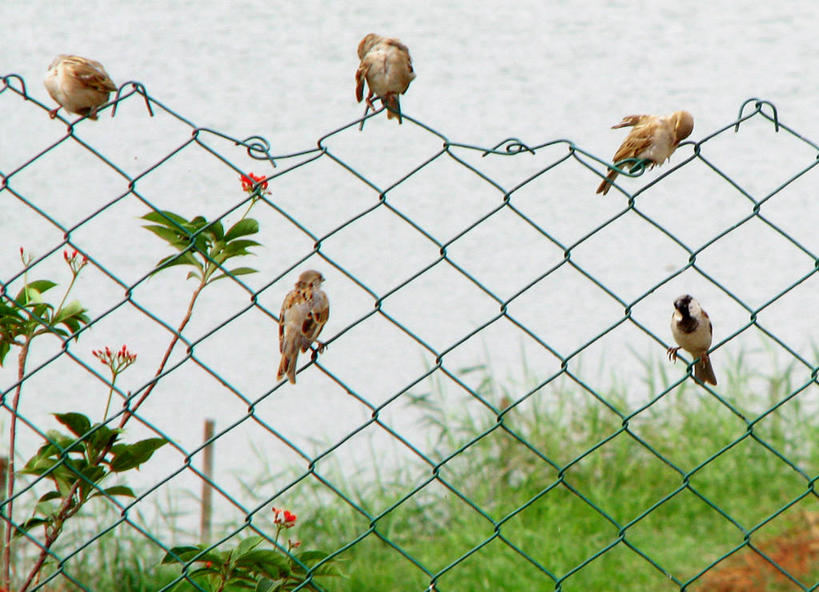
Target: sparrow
(78, 84)
(305, 311)
(387, 67)
(691, 329)
(653, 138)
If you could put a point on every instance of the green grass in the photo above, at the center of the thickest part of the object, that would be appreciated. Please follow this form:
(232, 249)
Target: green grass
(556, 487)
(680, 483)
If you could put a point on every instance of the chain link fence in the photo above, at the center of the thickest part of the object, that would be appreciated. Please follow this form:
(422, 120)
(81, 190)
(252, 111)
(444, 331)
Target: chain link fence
(448, 264)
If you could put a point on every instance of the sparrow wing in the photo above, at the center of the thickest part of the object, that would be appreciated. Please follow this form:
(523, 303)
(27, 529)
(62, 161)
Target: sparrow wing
(360, 77)
(638, 141)
(90, 73)
(630, 120)
(288, 307)
(315, 320)
(400, 61)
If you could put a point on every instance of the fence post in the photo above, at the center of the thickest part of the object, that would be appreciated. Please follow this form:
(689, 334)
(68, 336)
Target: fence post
(207, 495)
(4, 467)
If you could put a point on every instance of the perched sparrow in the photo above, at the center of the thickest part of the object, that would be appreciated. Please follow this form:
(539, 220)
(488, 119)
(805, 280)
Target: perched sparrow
(78, 84)
(387, 67)
(692, 331)
(304, 312)
(653, 138)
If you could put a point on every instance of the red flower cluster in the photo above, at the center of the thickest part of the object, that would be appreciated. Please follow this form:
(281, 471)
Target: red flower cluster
(284, 517)
(249, 180)
(74, 261)
(116, 361)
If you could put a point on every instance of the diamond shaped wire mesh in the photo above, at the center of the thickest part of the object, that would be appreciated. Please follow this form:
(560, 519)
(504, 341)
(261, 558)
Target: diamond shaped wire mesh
(448, 252)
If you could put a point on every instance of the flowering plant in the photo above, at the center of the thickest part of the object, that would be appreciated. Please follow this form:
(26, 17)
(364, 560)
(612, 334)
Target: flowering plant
(76, 462)
(250, 181)
(250, 566)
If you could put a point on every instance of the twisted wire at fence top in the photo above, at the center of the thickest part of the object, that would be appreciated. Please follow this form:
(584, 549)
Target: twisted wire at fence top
(258, 148)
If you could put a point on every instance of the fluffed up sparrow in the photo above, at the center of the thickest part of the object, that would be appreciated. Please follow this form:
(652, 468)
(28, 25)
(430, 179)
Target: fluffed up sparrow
(305, 311)
(387, 67)
(78, 84)
(691, 329)
(653, 138)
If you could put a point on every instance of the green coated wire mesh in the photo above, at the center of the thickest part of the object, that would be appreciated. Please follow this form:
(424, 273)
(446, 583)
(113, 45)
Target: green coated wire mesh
(450, 250)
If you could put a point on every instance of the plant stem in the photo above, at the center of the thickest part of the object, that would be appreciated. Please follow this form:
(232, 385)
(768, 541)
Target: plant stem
(250, 207)
(110, 393)
(65, 295)
(177, 334)
(21, 371)
(67, 509)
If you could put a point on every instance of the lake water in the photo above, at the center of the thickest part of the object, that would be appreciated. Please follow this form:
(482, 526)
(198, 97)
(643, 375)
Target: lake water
(537, 71)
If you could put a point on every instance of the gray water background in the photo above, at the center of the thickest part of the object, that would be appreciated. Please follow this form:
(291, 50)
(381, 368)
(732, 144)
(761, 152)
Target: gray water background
(486, 71)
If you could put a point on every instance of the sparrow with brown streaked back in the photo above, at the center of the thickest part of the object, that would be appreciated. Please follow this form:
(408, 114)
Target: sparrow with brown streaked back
(78, 84)
(692, 330)
(304, 313)
(386, 66)
(653, 138)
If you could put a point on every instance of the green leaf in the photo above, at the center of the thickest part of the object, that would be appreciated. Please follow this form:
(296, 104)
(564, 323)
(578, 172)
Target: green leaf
(115, 490)
(184, 258)
(166, 218)
(29, 524)
(238, 586)
(93, 473)
(77, 423)
(175, 237)
(46, 509)
(129, 456)
(32, 290)
(4, 350)
(247, 544)
(199, 222)
(242, 228)
(71, 314)
(311, 557)
(235, 272)
(99, 439)
(266, 585)
(243, 243)
(186, 553)
(216, 230)
(265, 562)
(51, 495)
(63, 443)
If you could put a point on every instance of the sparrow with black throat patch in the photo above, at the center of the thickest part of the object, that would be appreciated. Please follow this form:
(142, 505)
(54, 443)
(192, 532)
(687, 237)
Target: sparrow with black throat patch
(653, 138)
(304, 313)
(78, 84)
(692, 330)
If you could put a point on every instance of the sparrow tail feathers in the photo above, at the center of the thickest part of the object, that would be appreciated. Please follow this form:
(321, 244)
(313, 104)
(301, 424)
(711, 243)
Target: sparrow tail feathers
(705, 372)
(393, 106)
(290, 354)
(606, 184)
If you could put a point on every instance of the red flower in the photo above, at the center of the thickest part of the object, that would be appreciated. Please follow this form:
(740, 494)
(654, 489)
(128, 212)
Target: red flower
(116, 361)
(249, 180)
(74, 261)
(284, 517)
